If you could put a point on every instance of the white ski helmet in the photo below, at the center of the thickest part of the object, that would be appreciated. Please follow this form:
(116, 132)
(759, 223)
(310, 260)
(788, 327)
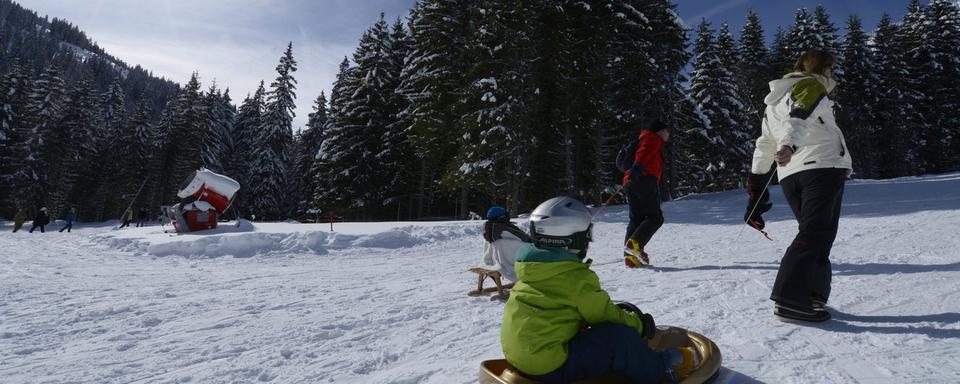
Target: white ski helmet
(562, 222)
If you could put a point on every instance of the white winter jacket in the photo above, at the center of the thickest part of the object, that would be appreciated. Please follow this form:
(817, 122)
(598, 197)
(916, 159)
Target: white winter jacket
(500, 255)
(799, 115)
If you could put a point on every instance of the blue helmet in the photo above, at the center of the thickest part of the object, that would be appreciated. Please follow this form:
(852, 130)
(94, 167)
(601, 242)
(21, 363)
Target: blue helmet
(498, 212)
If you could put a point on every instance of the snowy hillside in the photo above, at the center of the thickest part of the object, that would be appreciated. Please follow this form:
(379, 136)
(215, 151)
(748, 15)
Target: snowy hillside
(386, 303)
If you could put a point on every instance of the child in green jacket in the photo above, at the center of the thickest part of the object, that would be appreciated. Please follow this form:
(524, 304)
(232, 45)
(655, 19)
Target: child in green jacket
(560, 326)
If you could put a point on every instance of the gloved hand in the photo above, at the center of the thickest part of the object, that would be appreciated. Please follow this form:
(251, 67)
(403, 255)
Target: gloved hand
(759, 200)
(636, 171)
(649, 327)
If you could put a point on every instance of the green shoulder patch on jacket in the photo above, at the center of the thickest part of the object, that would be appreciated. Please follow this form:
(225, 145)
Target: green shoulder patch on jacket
(806, 94)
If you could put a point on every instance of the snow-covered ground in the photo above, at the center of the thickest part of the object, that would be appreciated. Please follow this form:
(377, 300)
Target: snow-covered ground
(386, 303)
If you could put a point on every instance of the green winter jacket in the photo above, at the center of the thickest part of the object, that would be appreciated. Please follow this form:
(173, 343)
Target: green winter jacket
(555, 297)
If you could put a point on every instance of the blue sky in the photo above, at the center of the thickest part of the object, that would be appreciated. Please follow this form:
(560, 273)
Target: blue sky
(237, 43)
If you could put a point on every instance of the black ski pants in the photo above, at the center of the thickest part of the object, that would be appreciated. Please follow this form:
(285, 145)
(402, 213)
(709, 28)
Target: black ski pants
(646, 217)
(815, 197)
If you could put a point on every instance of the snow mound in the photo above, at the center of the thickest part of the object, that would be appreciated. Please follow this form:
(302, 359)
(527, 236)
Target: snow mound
(248, 240)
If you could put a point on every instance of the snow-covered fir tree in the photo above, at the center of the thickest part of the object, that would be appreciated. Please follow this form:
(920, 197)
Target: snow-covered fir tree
(803, 36)
(14, 137)
(727, 47)
(308, 167)
(888, 63)
(826, 31)
(83, 118)
(332, 190)
(45, 103)
(781, 57)
(916, 39)
(244, 131)
(432, 76)
(856, 99)
(723, 144)
(217, 140)
(753, 68)
(271, 177)
(944, 38)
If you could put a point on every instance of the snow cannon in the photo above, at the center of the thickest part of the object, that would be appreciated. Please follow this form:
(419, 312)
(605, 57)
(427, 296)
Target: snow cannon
(204, 196)
(708, 355)
(214, 188)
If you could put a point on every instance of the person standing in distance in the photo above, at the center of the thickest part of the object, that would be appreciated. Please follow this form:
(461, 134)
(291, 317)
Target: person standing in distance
(643, 193)
(800, 133)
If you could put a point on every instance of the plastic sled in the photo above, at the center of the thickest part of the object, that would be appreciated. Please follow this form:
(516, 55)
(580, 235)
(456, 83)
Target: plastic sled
(500, 371)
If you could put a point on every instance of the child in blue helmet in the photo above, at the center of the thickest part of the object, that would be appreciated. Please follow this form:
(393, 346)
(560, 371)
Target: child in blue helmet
(503, 239)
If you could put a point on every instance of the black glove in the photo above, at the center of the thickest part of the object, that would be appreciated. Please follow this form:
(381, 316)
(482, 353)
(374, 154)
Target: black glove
(649, 327)
(759, 200)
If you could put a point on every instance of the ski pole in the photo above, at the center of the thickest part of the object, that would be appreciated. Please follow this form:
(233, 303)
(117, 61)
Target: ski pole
(609, 199)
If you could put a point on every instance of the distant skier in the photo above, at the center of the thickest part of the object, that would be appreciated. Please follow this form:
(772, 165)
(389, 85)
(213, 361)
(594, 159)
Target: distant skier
(643, 194)
(559, 326)
(141, 217)
(41, 220)
(71, 216)
(127, 218)
(503, 239)
(19, 219)
(800, 134)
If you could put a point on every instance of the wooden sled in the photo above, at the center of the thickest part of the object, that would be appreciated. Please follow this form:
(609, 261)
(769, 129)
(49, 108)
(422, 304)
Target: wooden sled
(483, 274)
(501, 372)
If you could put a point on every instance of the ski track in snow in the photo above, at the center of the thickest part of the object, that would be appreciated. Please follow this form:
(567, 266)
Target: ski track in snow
(386, 303)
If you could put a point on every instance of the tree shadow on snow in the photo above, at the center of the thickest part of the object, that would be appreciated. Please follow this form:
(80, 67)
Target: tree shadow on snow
(844, 322)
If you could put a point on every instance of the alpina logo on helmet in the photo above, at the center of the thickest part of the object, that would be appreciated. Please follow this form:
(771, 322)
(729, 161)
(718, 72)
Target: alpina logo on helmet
(554, 242)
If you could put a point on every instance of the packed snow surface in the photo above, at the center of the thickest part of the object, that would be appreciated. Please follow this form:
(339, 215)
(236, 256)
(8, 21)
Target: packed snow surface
(386, 302)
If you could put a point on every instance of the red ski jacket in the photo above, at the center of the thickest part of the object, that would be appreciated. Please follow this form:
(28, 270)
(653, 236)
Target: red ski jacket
(649, 154)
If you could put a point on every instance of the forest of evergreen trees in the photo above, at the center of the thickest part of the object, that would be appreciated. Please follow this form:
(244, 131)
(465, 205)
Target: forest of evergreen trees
(462, 105)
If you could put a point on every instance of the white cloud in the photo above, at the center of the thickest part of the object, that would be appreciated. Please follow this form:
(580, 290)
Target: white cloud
(236, 42)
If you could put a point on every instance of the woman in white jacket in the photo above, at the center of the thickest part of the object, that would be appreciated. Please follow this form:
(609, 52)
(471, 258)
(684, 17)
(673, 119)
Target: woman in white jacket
(800, 134)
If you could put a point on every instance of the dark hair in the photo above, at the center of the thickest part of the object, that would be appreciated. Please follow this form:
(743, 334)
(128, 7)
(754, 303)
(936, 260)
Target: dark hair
(815, 61)
(656, 125)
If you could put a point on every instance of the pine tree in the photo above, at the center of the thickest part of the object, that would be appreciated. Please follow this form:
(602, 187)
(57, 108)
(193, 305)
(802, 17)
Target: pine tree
(826, 31)
(14, 138)
(723, 142)
(432, 76)
(332, 190)
(753, 68)
(916, 37)
(397, 157)
(308, 166)
(42, 114)
(184, 141)
(856, 100)
(803, 36)
(271, 177)
(945, 82)
(888, 61)
(726, 47)
(217, 140)
(781, 57)
(248, 121)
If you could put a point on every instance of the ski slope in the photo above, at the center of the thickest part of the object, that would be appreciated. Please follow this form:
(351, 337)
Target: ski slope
(386, 303)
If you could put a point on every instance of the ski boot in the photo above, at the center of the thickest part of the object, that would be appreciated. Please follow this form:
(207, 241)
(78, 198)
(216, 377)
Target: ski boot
(634, 256)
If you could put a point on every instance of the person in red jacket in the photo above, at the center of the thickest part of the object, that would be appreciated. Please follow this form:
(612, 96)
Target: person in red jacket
(642, 186)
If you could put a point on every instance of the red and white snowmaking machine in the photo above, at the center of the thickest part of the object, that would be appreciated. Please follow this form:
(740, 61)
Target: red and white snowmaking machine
(204, 196)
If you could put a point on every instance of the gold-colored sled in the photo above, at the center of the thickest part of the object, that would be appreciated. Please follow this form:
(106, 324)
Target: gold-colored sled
(500, 371)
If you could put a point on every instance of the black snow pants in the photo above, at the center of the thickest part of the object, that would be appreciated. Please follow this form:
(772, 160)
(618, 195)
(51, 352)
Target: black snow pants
(643, 195)
(815, 197)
